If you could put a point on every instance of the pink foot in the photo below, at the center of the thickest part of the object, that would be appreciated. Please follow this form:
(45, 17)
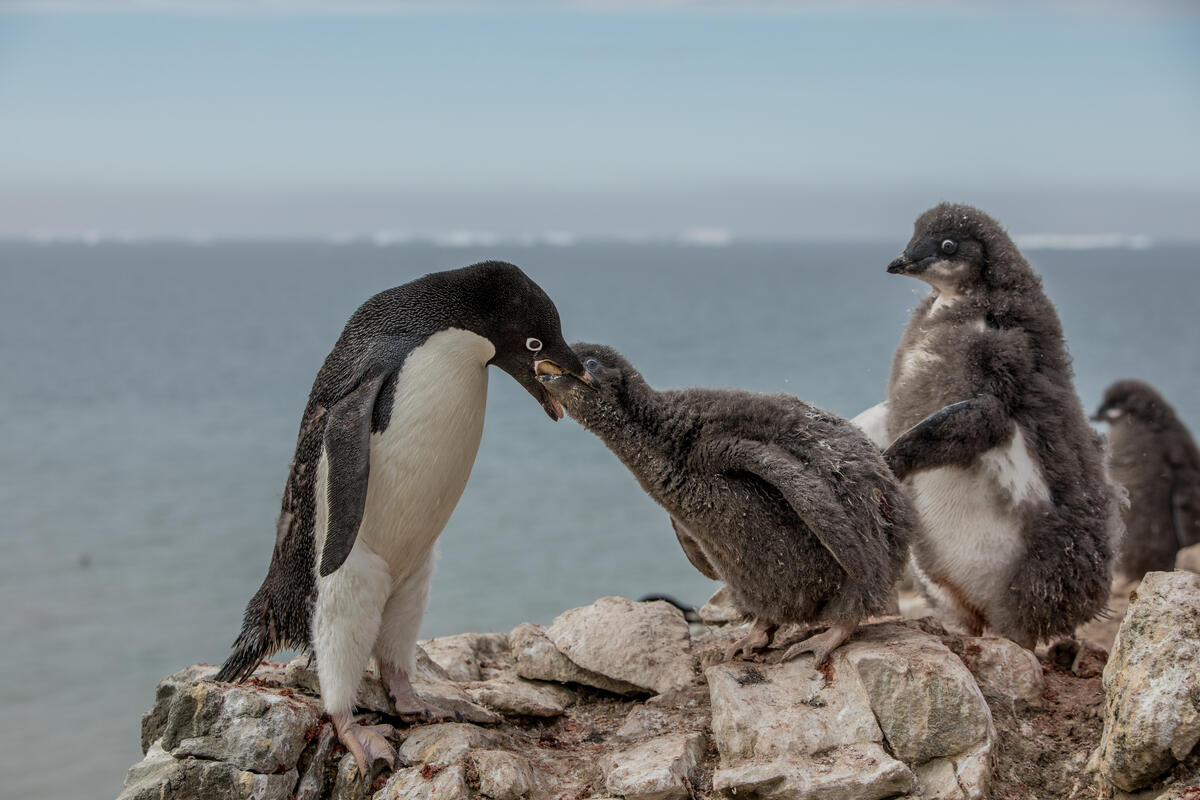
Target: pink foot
(758, 638)
(365, 742)
(409, 705)
(822, 644)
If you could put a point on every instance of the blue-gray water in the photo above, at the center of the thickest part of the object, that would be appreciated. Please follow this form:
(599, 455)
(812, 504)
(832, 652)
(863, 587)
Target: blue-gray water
(150, 395)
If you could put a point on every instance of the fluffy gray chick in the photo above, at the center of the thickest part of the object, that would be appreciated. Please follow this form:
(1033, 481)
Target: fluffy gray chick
(790, 506)
(1154, 457)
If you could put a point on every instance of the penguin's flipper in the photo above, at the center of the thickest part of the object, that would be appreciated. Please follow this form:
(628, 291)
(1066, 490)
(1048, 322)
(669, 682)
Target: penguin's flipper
(348, 450)
(691, 549)
(952, 436)
(813, 501)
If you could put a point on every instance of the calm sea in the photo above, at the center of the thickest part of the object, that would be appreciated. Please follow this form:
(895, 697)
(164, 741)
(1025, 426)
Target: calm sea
(150, 396)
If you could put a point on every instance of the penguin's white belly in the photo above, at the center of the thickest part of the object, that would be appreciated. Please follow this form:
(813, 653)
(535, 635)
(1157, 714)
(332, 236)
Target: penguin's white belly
(973, 520)
(421, 462)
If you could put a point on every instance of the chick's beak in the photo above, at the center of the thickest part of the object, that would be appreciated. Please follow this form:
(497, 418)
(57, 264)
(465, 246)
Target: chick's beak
(899, 265)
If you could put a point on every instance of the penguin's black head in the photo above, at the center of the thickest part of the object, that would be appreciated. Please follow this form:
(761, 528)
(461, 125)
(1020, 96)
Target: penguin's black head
(1130, 399)
(957, 249)
(522, 324)
(609, 372)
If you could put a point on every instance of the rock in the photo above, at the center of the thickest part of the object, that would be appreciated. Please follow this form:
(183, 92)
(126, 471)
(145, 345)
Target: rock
(503, 776)
(660, 769)
(154, 720)
(855, 772)
(537, 658)
(1004, 670)
(1188, 558)
(248, 727)
(312, 783)
(445, 743)
(160, 774)
(720, 610)
(1152, 682)
(425, 784)
(644, 644)
(925, 699)
(778, 711)
(643, 722)
(470, 656)
(348, 784)
(889, 685)
(510, 694)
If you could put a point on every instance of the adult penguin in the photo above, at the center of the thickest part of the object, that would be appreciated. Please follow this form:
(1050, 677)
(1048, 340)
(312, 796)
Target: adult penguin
(385, 448)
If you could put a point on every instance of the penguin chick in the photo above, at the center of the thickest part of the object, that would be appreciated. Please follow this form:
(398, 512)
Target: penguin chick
(790, 506)
(1019, 519)
(385, 448)
(1154, 457)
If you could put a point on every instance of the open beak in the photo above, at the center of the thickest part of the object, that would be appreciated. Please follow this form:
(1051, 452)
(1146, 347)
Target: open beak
(545, 366)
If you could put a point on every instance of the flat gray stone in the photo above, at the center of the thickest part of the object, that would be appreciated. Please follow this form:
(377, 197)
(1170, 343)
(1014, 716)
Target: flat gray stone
(538, 659)
(660, 769)
(765, 712)
(161, 775)
(1004, 670)
(645, 644)
(503, 776)
(852, 772)
(510, 694)
(445, 743)
(415, 784)
(470, 656)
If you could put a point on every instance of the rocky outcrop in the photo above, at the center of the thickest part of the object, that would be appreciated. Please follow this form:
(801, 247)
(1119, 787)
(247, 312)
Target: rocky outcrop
(893, 712)
(1152, 683)
(618, 700)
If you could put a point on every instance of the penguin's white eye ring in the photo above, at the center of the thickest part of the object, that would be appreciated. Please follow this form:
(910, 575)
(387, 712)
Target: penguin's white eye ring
(949, 246)
(591, 365)
(533, 344)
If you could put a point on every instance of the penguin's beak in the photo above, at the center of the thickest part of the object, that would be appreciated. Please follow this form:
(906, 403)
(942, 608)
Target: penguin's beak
(899, 265)
(534, 383)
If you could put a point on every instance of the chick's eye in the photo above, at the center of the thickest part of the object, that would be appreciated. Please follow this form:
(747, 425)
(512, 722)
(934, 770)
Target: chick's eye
(533, 344)
(591, 365)
(949, 246)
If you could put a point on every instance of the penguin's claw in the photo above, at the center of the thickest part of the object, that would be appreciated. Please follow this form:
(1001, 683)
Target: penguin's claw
(758, 638)
(367, 743)
(822, 644)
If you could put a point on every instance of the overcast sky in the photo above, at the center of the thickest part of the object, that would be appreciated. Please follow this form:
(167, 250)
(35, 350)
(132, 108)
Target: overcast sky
(763, 119)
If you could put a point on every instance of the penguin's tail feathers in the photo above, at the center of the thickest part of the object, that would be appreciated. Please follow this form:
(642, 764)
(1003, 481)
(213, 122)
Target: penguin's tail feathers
(260, 637)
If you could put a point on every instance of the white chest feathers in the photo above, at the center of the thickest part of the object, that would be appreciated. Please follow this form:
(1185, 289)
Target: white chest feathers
(973, 518)
(421, 462)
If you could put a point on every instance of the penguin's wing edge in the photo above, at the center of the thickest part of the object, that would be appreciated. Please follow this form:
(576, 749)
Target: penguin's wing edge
(691, 549)
(348, 450)
(953, 435)
(812, 500)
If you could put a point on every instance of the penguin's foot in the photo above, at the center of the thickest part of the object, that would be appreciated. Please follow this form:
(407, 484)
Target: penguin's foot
(366, 743)
(757, 639)
(822, 644)
(410, 706)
